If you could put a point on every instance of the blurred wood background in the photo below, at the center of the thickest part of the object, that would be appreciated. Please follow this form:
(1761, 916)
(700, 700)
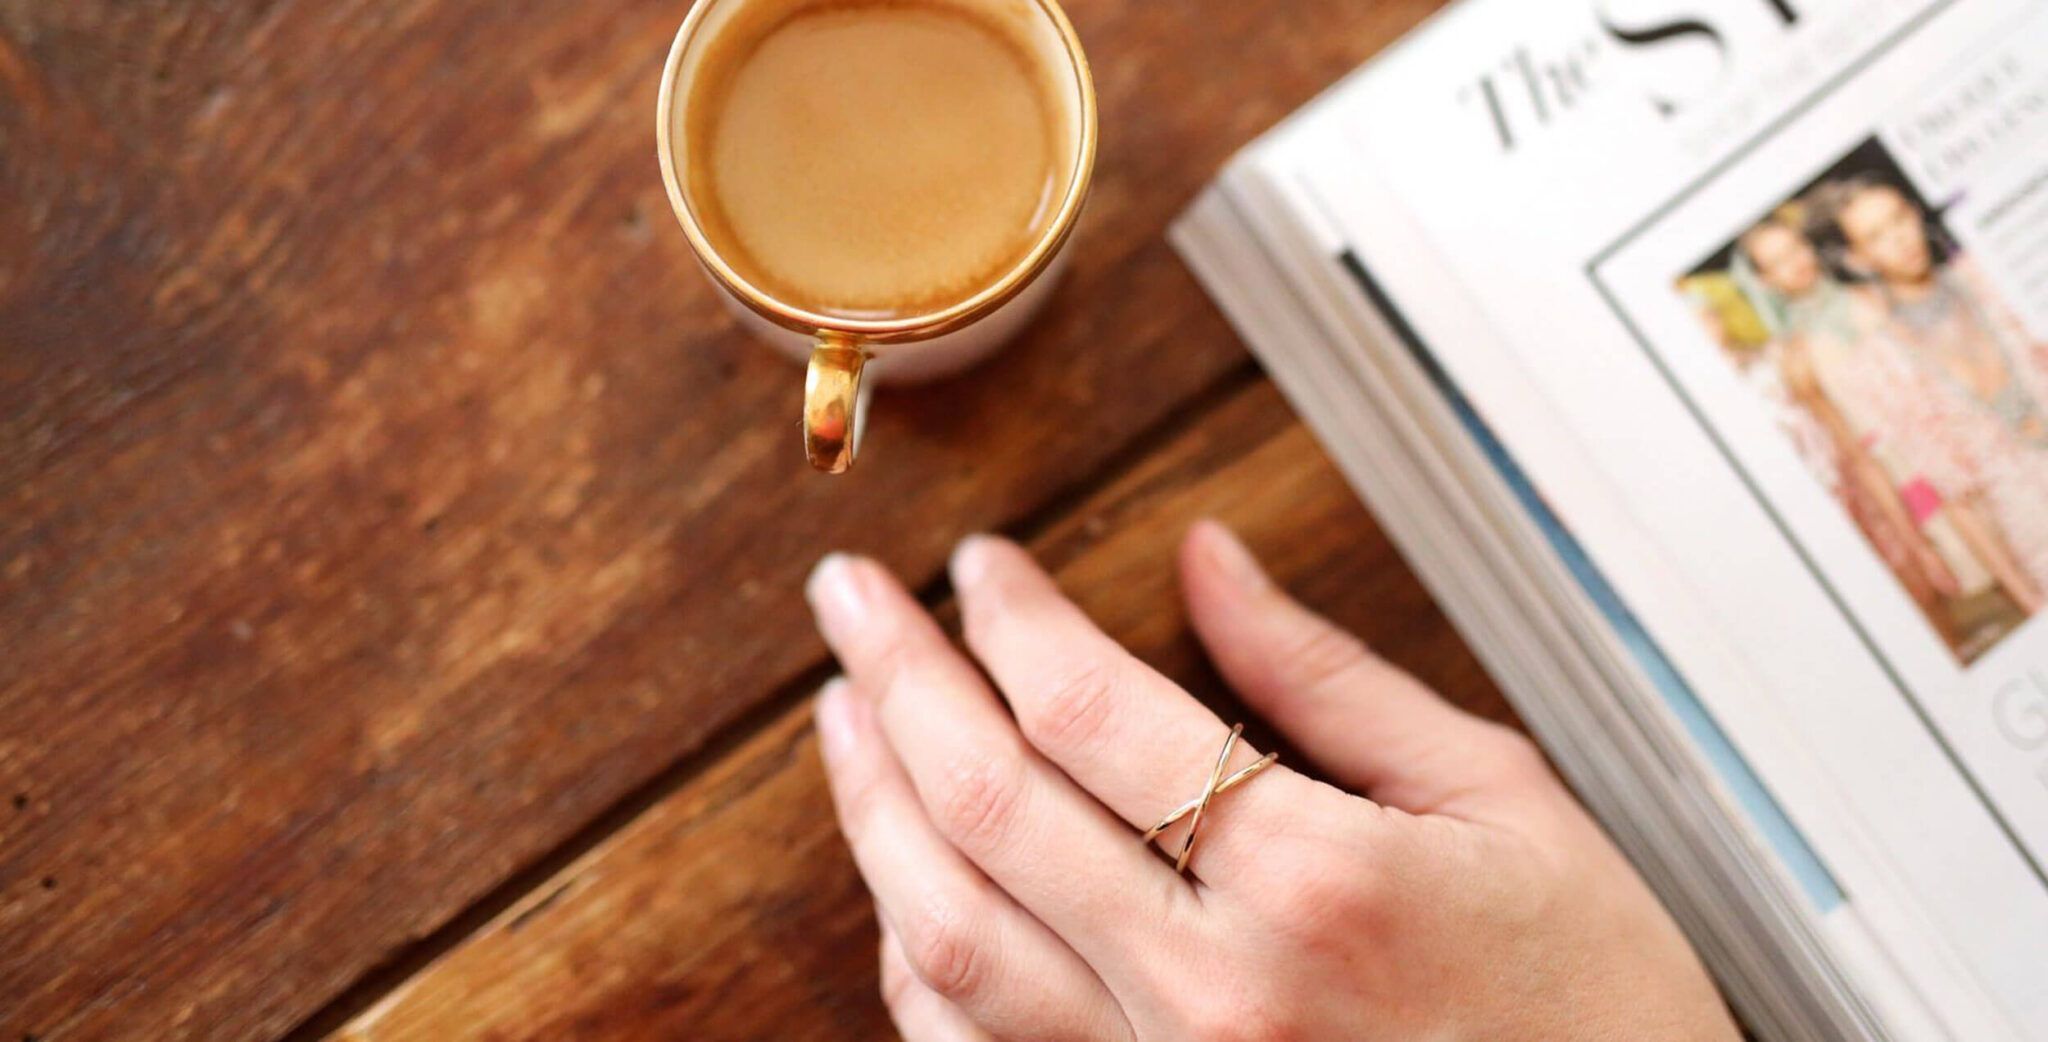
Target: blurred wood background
(400, 634)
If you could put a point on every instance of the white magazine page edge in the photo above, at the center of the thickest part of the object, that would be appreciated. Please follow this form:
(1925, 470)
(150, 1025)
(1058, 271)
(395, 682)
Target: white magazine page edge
(1818, 806)
(1305, 390)
(1418, 396)
(1578, 497)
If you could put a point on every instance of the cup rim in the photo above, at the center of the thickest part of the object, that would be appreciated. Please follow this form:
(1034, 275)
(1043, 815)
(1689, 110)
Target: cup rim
(914, 327)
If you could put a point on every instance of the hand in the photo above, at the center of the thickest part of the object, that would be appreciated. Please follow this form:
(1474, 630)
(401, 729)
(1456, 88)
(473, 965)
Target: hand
(1456, 892)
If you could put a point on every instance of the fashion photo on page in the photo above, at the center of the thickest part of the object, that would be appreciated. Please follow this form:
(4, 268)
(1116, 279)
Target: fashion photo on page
(1904, 381)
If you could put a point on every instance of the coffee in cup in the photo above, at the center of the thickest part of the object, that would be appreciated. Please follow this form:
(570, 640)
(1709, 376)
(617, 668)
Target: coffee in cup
(877, 180)
(874, 159)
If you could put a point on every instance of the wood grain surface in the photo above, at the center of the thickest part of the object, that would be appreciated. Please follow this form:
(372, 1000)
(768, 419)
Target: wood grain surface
(731, 910)
(384, 497)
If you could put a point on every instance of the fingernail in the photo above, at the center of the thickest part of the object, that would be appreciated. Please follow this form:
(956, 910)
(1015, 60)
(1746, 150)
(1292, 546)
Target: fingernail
(969, 564)
(1230, 557)
(831, 714)
(835, 592)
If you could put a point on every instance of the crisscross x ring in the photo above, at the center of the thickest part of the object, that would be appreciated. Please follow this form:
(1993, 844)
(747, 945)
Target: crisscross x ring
(1217, 785)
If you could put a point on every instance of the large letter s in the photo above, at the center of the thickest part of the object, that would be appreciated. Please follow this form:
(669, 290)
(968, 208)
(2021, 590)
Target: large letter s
(1662, 33)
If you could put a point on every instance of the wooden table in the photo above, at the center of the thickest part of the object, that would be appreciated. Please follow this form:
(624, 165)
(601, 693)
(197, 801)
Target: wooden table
(399, 547)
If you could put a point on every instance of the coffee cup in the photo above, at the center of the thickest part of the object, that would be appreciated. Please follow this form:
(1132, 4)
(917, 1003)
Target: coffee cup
(882, 189)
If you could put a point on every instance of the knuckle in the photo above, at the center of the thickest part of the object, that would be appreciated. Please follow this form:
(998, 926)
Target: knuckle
(945, 951)
(1076, 708)
(980, 801)
(1319, 895)
(1515, 754)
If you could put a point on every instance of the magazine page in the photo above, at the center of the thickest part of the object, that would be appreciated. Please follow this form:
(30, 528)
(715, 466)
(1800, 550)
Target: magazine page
(1426, 286)
(1501, 586)
(1778, 268)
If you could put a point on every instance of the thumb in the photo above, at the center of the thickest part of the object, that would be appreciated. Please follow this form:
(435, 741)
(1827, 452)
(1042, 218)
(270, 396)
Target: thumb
(1364, 721)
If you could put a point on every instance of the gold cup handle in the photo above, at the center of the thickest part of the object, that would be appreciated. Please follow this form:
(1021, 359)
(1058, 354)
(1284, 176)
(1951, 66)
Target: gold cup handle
(835, 403)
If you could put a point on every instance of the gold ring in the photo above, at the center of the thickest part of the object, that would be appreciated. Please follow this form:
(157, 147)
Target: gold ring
(1217, 785)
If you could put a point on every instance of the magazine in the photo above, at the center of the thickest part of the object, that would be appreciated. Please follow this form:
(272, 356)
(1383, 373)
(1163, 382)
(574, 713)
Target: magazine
(1696, 353)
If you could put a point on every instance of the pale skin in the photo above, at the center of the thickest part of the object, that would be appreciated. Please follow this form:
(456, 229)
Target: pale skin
(1441, 884)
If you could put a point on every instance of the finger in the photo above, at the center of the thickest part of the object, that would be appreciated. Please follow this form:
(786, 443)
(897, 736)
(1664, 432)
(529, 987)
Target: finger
(1366, 722)
(1057, 851)
(921, 1014)
(1128, 735)
(968, 941)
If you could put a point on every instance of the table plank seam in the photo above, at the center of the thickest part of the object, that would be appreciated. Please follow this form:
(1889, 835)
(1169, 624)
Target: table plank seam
(1135, 452)
(387, 976)
(390, 974)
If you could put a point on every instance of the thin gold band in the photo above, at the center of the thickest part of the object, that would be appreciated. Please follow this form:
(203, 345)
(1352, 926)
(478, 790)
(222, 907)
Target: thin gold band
(1243, 774)
(1217, 785)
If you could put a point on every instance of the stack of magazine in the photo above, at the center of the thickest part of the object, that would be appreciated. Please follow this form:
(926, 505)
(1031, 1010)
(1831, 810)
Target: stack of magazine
(1695, 352)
